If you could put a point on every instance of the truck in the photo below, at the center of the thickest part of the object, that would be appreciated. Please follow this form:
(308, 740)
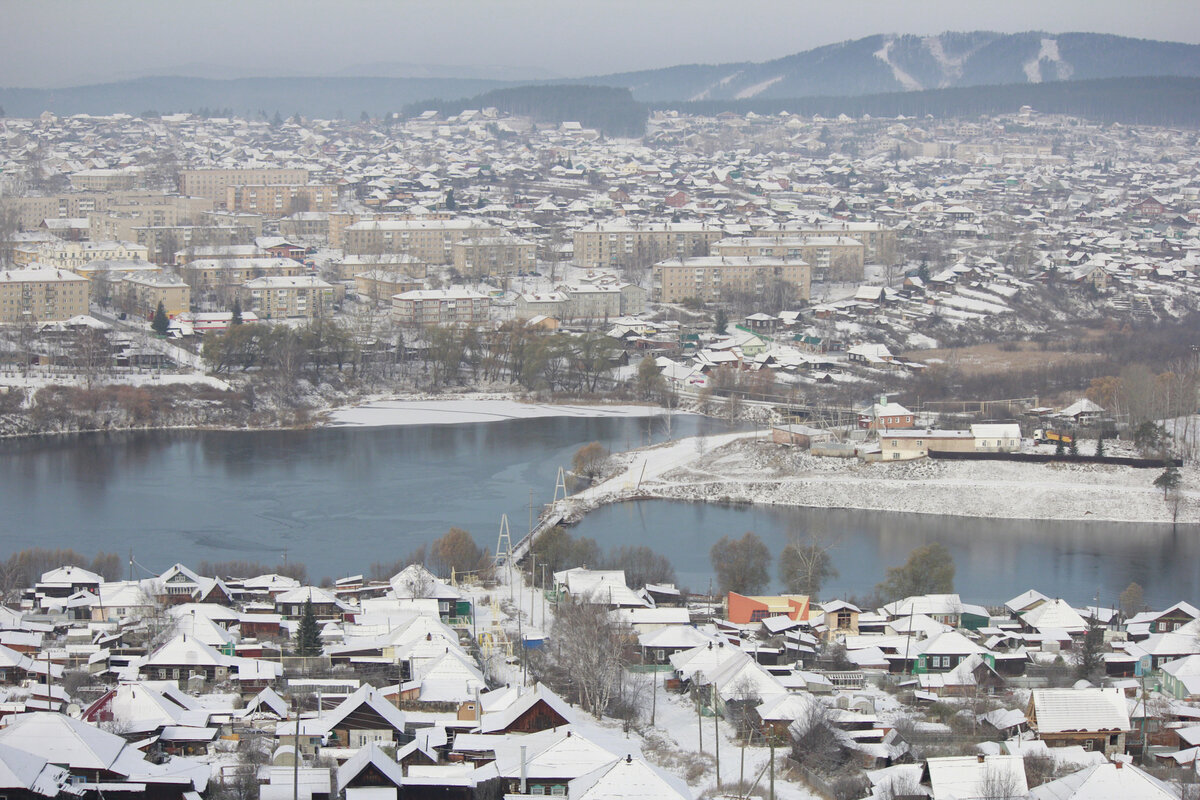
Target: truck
(1046, 436)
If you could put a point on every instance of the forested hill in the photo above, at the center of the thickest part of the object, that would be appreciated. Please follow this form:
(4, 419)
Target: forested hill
(610, 110)
(885, 63)
(1148, 101)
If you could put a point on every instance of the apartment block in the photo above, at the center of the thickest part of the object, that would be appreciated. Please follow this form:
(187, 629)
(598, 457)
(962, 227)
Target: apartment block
(431, 241)
(72, 255)
(280, 199)
(501, 256)
(141, 292)
(877, 238)
(207, 274)
(832, 258)
(213, 183)
(280, 297)
(620, 243)
(428, 307)
(709, 277)
(108, 180)
(377, 284)
(41, 294)
(411, 266)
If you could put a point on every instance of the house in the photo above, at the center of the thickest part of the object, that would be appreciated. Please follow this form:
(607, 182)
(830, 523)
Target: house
(325, 606)
(889, 416)
(1096, 719)
(1106, 780)
(947, 609)
(372, 769)
(974, 674)
(997, 437)
(975, 777)
(1180, 678)
(841, 618)
(527, 712)
(946, 651)
(903, 445)
(1148, 622)
(363, 718)
(94, 757)
(606, 587)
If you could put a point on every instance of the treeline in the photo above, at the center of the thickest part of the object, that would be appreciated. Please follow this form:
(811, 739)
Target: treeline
(1146, 101)
(556, 550)
(608, 109)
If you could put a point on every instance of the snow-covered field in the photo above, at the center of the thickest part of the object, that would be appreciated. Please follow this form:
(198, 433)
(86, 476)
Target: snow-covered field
(460, 410)
(734, 467)
(38, 380)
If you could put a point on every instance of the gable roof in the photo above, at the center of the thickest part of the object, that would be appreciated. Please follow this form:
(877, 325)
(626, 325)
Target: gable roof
(1070, 710)
(628, 779)
(501, 719)
(366, 695)
(1105, 782)
(370, 756)
(63, 740)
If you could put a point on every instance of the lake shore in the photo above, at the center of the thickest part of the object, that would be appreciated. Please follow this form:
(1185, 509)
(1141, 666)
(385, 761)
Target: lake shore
(746, 468)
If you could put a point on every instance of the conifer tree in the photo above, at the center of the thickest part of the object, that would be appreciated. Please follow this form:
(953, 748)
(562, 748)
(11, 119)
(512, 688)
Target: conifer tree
(161, 322)
(308, 634)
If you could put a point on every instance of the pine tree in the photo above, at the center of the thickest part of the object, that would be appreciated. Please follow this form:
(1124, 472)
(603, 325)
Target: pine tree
(308, 634)
(1100, 447)
(236, 319)
(721, 322)
(160, 322)
(1073, 447)
(1058, 447)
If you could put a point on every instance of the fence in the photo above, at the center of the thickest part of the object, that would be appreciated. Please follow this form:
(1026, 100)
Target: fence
(1047, 458)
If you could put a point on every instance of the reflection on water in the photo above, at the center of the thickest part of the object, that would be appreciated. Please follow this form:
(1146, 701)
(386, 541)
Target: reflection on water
(995, 559)
(339, 499)
(336, 499)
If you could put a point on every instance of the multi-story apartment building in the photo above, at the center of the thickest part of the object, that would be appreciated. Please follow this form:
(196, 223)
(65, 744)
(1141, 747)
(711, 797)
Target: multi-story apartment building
(428, 307)
(877, 238)
(164, 242)
(707, 278)
(584, 302)
(213, 183)
(280, 199)
(141, 292)
(32, 210)
(72, 255)
(431, 241)
(411, 266)
(500, 256)
(377, 285)
(208, 274)
(108, 180)
(279, 297)
(41, 294)
(220, 252)
(305, 224)
(836, 258)
(621, 243)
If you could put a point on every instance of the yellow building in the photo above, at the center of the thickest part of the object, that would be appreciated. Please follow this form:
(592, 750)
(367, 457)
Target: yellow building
(379, 285)
(41, 294)
(707, 278)
(496, 255)
(428, 240)
(72, 255)
(878, 239)
(619, 242)
(283, 297)
(280, 199)
(206, 274)
(141, 293)
(837, 258)
(213, 183)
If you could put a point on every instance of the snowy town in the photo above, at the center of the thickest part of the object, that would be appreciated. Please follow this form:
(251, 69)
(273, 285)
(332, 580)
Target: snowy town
(872, 429)
(500, 678)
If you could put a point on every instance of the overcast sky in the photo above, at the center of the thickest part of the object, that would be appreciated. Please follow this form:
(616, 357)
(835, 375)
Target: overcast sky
(66, 42)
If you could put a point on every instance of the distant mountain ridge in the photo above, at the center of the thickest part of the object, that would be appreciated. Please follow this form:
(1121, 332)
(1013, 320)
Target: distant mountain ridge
(888, 63)
(874, 65)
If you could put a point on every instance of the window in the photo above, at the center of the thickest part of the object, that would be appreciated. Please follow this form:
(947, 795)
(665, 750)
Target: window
(1087, 744)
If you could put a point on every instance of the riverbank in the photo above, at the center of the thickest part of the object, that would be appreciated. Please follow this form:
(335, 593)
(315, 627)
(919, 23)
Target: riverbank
(746, 468)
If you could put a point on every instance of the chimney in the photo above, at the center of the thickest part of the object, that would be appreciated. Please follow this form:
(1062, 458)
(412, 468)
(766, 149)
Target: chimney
(1119, 764)
(523, 749)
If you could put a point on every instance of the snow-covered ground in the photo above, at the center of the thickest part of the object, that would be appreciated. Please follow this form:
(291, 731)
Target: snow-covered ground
(735, 468)
(37, 380)
(459, 410)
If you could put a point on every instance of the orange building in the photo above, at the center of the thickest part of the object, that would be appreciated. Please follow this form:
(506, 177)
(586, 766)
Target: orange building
(744, 609)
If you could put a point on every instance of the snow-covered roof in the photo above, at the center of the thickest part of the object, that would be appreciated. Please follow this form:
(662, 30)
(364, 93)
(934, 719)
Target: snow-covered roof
(1069, 710)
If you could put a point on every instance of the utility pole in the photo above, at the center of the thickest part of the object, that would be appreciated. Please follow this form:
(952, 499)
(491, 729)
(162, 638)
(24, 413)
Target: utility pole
(533, 588)
(716, 732)
(771, 741)
(699, 720)
(653, 695)
(296, 755)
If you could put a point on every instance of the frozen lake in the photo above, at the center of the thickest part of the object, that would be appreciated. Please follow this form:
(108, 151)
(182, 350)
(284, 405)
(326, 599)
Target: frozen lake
(338, 499)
